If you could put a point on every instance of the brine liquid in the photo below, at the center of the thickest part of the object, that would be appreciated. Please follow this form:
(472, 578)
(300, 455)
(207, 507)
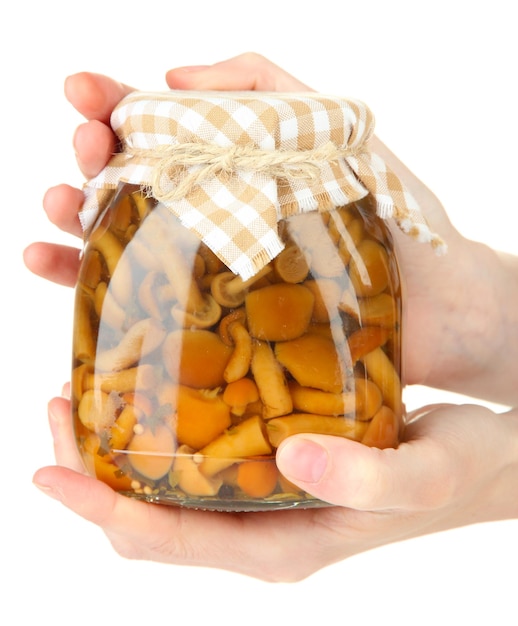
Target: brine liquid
(186, 379)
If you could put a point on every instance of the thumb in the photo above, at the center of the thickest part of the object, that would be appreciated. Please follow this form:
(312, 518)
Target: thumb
(350, 474)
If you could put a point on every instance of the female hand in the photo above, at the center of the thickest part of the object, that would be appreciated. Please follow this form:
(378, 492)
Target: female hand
(460, 308)
(457, 465)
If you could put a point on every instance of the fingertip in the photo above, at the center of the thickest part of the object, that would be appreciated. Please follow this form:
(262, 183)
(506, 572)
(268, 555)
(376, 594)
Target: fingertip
(337, 470)
(92, 500)
(42, 479)
(302, 460)
(94, 95)
(62, 203)
(186, 77)
(94, 144)
(55, 263)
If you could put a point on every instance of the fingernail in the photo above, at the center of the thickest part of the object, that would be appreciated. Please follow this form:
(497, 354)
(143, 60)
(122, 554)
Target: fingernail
(303, 460)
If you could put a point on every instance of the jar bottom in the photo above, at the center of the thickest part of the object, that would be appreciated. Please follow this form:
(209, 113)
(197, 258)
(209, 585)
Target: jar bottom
(230, 505)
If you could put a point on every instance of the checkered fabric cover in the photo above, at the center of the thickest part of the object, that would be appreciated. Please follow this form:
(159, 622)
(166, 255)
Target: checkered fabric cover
(235, 210)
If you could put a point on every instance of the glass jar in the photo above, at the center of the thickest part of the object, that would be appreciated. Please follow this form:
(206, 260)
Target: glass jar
(186, 377)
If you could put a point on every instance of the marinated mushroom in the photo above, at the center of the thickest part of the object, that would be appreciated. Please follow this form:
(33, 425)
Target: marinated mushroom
(151, 451)
(97, 411)
(204, 314)
(148, 295)
(280, 428)
(196, 358)
(190, 479)
(141, 339)
(361, 402)
(279, 312)
(201, 416)
(239, 394)
(313, 361)
(246, 439)
(106, 305)
(365, 340)
(381, 370)
(230, 290)
(270, 380)
(239, 363)
(369, 269)
(383, 430)
(84, 343)
(140, 377)
(291, 265)
(236, 315)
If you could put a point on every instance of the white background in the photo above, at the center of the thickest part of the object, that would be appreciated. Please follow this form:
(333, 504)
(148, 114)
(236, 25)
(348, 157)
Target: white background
(441, 79)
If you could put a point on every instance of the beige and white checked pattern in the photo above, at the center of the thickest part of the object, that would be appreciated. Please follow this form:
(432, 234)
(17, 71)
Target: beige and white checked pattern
(235, 209)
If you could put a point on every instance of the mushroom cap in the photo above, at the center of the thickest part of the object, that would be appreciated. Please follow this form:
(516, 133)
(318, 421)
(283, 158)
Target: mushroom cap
(230, 298)
(204, 317)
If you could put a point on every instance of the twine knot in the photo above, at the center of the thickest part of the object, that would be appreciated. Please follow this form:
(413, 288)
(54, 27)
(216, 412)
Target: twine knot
(187, 165)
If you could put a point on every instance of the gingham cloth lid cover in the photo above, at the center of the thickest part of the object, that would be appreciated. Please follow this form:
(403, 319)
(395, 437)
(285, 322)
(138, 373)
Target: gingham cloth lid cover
(230, 165)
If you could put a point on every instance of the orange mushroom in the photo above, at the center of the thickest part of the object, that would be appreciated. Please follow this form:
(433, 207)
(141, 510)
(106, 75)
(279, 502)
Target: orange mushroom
(313, 361)
(239, 363)
(381, 370)
(190, 479)
(369, 269)
(151, 452)
(201, 416)
(230, 290)
(279, 312)
(282, 427)
(383, 430)
(378, 310)
(258, 477)
(239, 394)
(196, 358)
(270, 380)
(246, 439)
(291, 265)
(140, 340)
(361, 402)
(365, 340)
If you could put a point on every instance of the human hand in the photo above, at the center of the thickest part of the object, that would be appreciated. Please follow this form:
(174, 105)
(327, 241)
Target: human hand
(458, 466)
(453, 340)
(439, 447)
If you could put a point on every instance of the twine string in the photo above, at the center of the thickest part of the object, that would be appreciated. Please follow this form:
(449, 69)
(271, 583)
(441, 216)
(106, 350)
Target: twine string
(208, 160)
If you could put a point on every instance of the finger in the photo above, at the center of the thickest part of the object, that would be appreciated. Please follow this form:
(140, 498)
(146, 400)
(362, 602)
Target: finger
(65, 447)
(263, 545)
(62, 204)
(94, 144)
(248, 71)
(421, 474)
(57, 263)
(240, 543)
(94, 95)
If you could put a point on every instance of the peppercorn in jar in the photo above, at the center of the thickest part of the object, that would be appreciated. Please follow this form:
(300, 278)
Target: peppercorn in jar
(239, 284)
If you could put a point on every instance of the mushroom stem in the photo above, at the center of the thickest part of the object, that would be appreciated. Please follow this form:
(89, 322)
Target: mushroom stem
(238, 285)
(230, 290)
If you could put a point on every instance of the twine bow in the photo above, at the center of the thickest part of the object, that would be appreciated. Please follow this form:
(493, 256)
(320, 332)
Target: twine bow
(202, 155)
(207, 160)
